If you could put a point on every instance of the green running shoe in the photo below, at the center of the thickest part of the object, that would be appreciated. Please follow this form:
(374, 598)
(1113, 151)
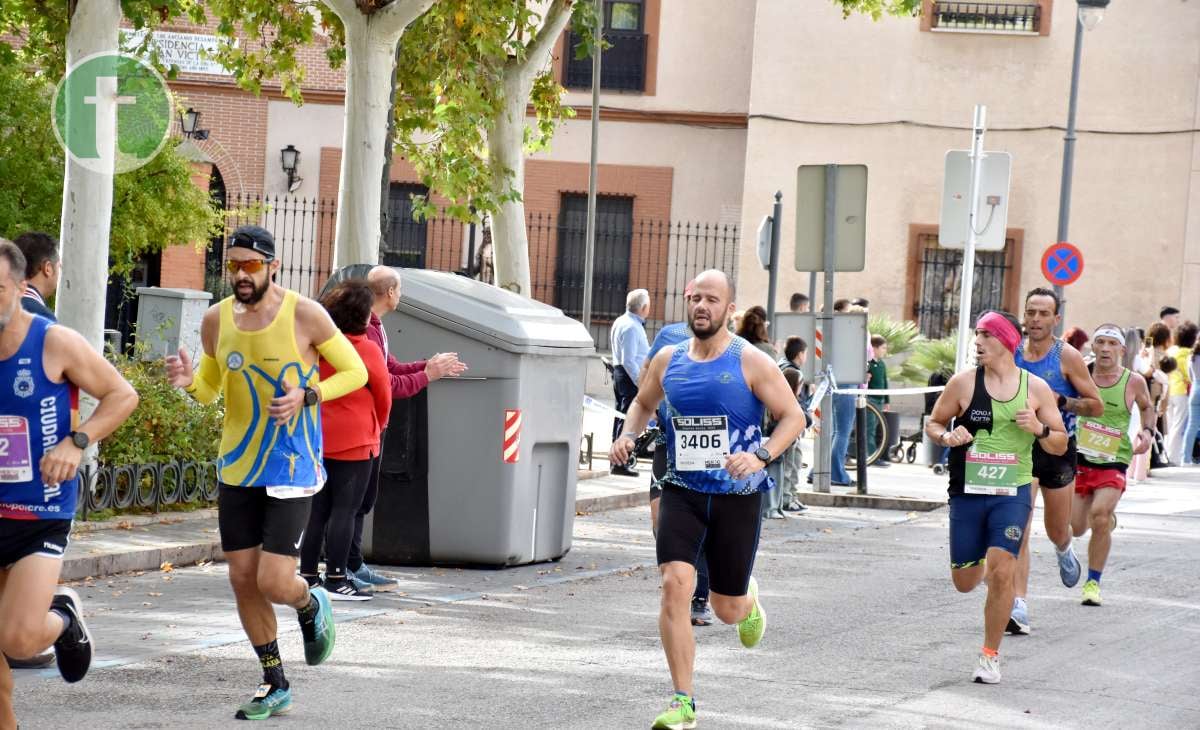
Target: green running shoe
(319, 635)
(1091, 593)
(680, 715)
(268, 700)
(751, 629)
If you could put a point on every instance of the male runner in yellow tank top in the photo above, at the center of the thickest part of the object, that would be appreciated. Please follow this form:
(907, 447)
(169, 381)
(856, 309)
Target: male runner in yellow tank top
(260, 349)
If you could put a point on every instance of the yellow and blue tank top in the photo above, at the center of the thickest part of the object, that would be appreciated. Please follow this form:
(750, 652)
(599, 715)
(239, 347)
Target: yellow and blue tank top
(35, 414)
(256, 367)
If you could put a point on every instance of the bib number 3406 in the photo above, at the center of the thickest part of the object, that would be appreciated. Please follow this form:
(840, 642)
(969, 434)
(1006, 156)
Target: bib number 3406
(701, 442)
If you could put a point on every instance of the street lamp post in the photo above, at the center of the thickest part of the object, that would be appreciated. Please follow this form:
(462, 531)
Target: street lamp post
(1089, 15)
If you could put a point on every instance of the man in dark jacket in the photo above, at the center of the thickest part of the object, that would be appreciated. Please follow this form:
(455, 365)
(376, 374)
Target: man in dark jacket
(41, 271)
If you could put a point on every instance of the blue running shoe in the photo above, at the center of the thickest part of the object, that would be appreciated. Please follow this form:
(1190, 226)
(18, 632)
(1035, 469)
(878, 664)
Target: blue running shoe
(268, 700)
(319, 634)
(1018, 620)
(374, 580)
(1069, 568)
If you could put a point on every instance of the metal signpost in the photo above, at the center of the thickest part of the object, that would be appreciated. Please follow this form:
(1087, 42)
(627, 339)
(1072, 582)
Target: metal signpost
(831, 206)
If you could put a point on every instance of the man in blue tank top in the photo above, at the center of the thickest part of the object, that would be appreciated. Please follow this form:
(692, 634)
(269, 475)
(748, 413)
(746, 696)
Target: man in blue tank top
(1062, 367)
(40, 364)
(715, 388)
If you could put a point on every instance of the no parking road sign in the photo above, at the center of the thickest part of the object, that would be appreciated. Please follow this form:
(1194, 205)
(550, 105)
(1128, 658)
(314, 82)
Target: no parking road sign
(1062, 264)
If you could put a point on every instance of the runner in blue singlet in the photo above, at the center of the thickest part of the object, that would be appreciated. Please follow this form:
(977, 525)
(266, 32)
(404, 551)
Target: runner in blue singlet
(715, 388)
(1063, 369)
(40, 363)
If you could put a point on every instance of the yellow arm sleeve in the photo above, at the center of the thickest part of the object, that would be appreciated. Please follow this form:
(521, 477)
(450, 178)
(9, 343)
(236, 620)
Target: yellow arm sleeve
(351, 373)
(206, 383)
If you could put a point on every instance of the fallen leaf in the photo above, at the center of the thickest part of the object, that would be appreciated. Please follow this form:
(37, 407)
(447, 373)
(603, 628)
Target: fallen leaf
(124, 525)
(153, 594)
(147, 604)
(166, 567)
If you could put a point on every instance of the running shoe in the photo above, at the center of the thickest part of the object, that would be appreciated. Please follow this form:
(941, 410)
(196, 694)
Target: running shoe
(751, 629)
(1069, 568)
(374, 580)
(268, 700)
(312, 580)
(680, 715)
(319, 634)
(1091, 593)
(340, 589)
(1018, 620)
(702, 615)
(987, 671)
(74, 648)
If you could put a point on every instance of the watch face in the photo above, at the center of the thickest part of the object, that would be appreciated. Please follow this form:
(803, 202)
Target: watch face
(79, 439)
(762, 454)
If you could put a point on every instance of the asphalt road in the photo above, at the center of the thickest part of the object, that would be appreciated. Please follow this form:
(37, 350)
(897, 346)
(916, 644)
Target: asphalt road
(864, 630)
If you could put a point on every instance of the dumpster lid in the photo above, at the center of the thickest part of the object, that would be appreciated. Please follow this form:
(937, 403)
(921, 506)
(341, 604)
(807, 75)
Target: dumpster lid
(513, 322)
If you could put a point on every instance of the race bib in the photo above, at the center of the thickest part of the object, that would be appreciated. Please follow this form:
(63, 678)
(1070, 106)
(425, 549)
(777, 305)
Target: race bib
(1099, 442)
(701, 442)
(994, 474)
(16, 464)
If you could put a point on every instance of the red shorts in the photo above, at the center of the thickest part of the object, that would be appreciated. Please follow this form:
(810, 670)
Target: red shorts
(1088, 479)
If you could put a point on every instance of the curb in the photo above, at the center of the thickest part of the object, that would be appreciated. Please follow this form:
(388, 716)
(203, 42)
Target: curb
(870, 501)
(123, 522)
(139, 560)
(591, 505)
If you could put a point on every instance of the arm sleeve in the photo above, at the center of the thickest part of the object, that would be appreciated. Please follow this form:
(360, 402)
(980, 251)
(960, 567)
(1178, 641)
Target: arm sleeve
(206, 383)
(395, 367)
(406, 386)
(351, 373)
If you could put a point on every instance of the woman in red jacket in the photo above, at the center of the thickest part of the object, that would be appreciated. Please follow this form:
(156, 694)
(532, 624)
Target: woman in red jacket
(350, 427)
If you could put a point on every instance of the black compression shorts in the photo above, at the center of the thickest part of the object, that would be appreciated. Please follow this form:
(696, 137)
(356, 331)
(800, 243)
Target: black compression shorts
(249, 517)
(724, 527)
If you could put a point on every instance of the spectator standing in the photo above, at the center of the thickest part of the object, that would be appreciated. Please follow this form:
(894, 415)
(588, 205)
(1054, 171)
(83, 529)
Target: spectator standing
(773, 500)
(799, 303)
(753, 329)
(350, 427)
(843, 413)
(1077, 338)
(405, 379)
(878, 380)
(629, 346)
(42, 268)
(795, 353)
(1169, 316)
(1181, 384)
(1193, 427)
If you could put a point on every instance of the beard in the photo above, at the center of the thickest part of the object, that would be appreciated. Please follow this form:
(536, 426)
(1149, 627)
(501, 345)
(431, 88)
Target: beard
(714, 326)
(256, 293)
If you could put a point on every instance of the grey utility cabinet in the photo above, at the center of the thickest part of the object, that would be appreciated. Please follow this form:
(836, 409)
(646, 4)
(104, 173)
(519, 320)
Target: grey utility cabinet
(169, 319)
(447, 492)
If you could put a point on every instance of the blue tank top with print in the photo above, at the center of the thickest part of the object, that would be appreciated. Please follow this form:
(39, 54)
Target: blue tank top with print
(1049, 368)
(35, 414)
(699, 394)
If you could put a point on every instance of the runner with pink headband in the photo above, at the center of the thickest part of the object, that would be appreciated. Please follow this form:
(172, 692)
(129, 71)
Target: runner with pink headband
(997, 326)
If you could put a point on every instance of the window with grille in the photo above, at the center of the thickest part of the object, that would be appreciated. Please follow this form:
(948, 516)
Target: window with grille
(939, 284)
(405, 242)
(623, 65)
(610, 272)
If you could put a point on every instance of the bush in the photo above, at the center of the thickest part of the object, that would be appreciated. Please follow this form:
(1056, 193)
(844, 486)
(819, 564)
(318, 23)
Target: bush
(901, 335)
(928, 357)
(168, 425)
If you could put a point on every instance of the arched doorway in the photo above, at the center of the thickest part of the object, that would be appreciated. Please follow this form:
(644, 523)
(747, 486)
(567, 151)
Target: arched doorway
(214, 254)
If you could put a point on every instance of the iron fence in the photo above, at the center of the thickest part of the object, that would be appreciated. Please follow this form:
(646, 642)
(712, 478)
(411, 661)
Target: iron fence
(973, 16)
(659, 256)
(147, 486)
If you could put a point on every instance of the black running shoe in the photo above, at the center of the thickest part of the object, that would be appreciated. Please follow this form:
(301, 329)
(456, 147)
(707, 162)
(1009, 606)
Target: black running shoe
(74, 648)
(341, 589)
(312, 580)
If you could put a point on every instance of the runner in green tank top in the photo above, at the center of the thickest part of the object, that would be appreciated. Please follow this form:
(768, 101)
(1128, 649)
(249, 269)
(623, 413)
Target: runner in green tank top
(1105, 451)
(998, 411)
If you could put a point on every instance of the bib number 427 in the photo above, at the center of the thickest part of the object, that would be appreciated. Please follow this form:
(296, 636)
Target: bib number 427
(994, 474)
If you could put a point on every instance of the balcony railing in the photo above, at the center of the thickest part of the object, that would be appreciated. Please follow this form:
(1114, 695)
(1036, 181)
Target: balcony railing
(622, 68)
(1016, 18)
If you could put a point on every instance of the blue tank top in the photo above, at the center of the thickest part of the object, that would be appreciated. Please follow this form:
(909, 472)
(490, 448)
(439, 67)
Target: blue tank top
(1049, 368)
(700, 394)
(35, 414)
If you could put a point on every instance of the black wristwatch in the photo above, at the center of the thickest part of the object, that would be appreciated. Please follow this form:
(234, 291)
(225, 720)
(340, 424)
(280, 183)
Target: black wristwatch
(762, 455)
(1045, 431)
(80, 439)
(310, 397)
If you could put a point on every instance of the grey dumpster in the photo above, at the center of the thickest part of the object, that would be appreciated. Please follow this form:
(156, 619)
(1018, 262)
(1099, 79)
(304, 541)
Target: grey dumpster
(480, 470)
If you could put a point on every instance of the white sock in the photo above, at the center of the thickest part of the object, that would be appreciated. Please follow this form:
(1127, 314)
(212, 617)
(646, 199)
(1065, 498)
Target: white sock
(1065, 549)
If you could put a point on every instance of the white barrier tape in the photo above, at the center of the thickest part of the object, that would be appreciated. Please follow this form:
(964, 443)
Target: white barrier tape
(595, 405)
(890, 391)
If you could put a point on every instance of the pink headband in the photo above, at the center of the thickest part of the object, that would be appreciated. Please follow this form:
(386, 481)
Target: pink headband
(1000, 328)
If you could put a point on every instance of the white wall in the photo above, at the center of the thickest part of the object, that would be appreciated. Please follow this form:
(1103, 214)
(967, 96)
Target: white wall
(309, 127)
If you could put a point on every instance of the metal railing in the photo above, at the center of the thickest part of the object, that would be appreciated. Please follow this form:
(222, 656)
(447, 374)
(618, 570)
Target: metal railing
(622, 67)
(146, 486)
(994, 17)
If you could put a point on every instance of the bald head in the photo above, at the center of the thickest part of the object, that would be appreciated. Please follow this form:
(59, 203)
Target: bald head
(385, 285)
(713, 276)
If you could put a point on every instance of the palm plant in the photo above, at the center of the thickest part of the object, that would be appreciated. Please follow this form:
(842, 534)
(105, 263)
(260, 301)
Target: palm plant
(929, 357)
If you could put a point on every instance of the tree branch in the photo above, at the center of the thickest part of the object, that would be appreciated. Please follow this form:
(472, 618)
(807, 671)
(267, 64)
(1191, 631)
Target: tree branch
(553, 24)
(394, 17)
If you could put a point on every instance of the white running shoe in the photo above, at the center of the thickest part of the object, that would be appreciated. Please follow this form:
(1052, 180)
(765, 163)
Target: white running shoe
(987, 671)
